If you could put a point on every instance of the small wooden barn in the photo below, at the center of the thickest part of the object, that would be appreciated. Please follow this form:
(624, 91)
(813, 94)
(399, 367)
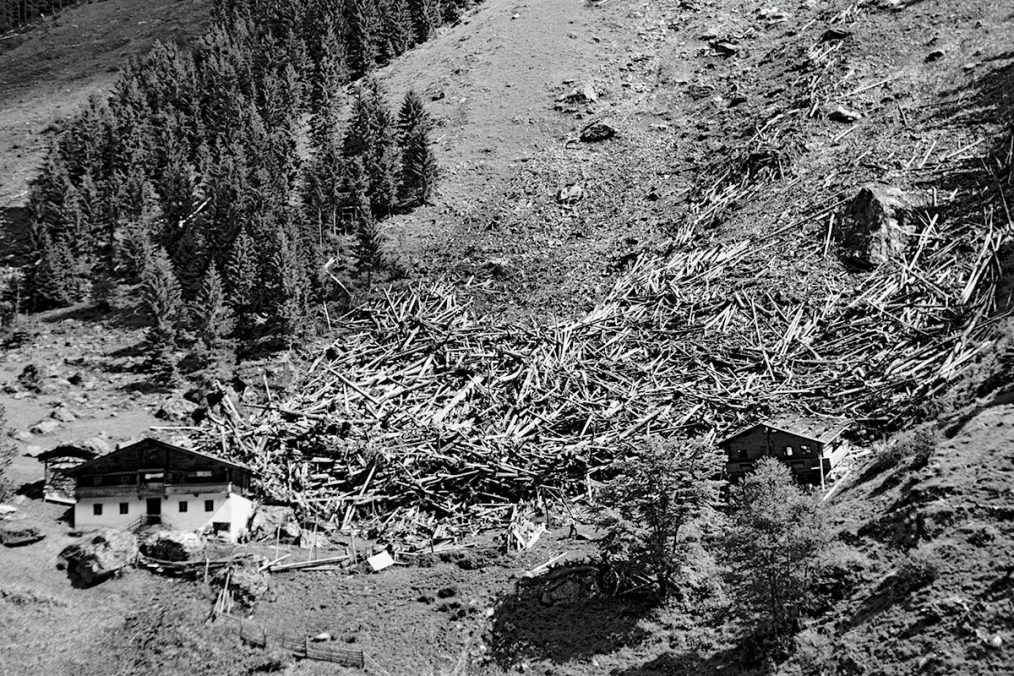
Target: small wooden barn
(811, 447)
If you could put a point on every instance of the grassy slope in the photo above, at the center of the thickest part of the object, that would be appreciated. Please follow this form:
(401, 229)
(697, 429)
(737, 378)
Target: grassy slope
(57, 65)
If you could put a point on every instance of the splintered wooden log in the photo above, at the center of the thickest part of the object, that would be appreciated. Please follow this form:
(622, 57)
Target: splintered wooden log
(421, 418)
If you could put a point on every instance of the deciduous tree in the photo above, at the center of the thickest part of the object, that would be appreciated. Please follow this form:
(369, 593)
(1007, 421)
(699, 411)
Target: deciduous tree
(656, 494)
(772, 545)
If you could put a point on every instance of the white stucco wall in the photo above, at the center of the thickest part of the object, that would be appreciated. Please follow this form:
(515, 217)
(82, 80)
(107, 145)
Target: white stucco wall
(84, 512)
(232, 509)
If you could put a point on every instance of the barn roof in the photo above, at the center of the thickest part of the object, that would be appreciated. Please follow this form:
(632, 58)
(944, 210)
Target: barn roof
(85, 466)
(819, 430)
(66, 451)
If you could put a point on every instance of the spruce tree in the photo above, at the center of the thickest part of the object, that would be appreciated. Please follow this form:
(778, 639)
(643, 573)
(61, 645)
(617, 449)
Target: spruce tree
(54, 281)
(213, 319)
(189, 260)
(176, 189)
(373, 139)
(287, 287)
(395, 29)
(361, 33)
(331, 72)
(369, 246)
(162, 301)
(243, 279)
(425, 16)
(418, 164)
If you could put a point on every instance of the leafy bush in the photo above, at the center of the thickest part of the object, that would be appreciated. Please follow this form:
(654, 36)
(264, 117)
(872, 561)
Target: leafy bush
(647, 507)
(913, 447)
(813, 655)
(918, 569)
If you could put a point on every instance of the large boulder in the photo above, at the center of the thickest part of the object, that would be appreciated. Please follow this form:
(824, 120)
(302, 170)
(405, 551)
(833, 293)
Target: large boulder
(99, 555)
(599, 130)
(876, 224)
(100, 445)
(176, 409)
(172, 545)
(270, 521)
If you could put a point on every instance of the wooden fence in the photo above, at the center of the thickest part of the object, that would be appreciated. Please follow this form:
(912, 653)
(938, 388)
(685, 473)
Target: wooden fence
(301, 646)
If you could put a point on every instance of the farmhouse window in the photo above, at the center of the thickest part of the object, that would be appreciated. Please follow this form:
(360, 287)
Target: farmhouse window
(183, 506)
(209, 505)
(804, 449)
(788, 451)
(124, 508)
(97, 509)
(741, 453)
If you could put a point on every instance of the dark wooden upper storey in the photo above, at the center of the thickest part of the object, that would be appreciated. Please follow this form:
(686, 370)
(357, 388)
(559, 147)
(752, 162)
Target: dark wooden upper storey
(153, 464)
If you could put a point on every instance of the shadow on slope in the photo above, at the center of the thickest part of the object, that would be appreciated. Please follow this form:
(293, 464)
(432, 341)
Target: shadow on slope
(563, 619)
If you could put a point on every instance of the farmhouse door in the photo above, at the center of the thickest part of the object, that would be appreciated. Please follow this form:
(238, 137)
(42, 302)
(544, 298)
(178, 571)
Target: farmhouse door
(154, 510)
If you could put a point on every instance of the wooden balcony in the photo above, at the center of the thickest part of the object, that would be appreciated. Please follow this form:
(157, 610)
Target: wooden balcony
(152, 490)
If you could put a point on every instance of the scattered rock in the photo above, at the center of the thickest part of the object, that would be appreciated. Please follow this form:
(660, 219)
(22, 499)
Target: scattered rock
(310, 540)
(874, 226)
(935, 55)
(103, 554)
(586, 94)
(500, 267)
(725, 47)
(45, 427)
(834, 35)
(100, 445)
(570, 195)
(176, 409)
(172, 545)
(30, 378)
(24, 436)
(63, 414)
(840, 113)
(322, 636)
(33, 451)
(772, 15)
(270, 519)
(6, 510)
(597, 131)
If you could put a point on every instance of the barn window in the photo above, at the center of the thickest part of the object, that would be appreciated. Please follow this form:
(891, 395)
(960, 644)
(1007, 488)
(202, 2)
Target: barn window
(804, 449)
(183, 506)
(788, 451)
(209, 505)
(124, 508)
(741, 453)
(97, 509)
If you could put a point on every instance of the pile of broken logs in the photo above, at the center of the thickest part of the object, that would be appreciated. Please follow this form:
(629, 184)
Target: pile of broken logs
(422, 421)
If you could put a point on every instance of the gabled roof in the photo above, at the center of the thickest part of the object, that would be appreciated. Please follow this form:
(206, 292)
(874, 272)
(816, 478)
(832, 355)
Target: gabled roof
(83, 467)
(819, 430)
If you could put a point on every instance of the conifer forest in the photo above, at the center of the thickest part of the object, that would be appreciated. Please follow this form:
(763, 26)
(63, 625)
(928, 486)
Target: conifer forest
(224, 178)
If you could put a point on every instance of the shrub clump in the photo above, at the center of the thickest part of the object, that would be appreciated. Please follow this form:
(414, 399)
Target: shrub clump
(913, 448)
(918, 569)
